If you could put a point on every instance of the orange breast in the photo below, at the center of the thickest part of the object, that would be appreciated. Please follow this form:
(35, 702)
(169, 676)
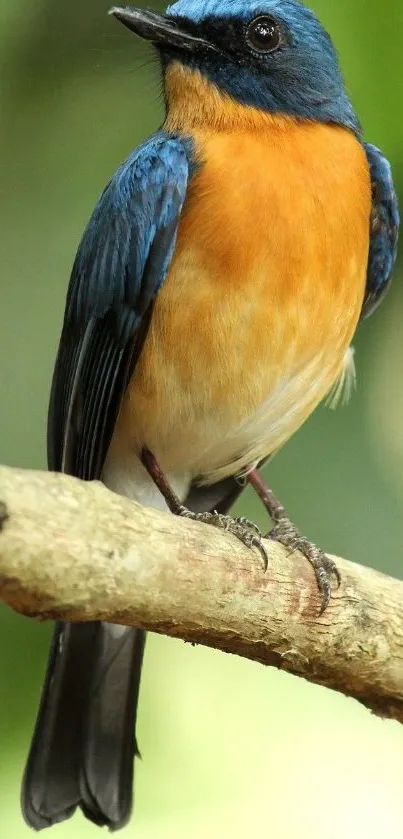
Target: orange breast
(262, 298)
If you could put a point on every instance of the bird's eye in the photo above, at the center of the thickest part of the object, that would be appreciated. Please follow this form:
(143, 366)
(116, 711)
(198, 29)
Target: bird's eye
(263, 34)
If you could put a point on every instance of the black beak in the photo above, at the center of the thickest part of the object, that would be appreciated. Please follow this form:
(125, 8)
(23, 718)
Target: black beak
(159, 29)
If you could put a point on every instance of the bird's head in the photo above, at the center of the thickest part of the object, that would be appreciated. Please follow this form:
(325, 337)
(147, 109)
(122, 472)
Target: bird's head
(270, 55)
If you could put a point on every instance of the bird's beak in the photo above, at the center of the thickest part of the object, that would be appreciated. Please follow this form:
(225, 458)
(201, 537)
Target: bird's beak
(159, 29)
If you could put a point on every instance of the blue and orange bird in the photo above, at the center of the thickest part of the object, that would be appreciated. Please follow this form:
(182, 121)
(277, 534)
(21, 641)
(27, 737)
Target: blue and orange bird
(211, 307)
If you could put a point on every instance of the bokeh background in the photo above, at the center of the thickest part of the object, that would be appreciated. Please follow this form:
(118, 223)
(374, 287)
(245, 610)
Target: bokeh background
(229, 748)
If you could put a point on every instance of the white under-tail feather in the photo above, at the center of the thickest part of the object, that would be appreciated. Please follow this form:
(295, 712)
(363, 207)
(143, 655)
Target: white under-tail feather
(345, 383)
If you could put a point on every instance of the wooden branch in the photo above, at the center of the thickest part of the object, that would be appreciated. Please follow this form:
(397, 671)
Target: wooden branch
(76, 551)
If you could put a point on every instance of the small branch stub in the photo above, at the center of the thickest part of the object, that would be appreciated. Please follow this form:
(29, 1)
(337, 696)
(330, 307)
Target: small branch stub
(76, 551)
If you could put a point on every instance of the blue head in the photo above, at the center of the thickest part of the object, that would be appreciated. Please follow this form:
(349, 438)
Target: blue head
(273, 55)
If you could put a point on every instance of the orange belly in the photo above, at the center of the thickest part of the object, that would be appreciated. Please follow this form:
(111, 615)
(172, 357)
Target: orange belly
(253, 323)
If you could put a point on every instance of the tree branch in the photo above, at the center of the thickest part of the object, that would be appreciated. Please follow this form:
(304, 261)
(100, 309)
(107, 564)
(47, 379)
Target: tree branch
(75, 551)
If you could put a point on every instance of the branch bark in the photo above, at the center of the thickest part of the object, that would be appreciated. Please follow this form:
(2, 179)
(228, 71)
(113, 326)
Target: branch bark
(75, 551)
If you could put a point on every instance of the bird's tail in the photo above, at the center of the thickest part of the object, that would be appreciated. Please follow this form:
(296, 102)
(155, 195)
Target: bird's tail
(83, 747)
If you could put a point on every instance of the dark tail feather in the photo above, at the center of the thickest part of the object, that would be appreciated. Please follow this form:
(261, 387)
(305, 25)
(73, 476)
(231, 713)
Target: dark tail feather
(84, 744)
(109, 747)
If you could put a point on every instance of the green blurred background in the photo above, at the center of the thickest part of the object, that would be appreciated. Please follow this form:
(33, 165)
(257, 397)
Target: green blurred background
(229, 748)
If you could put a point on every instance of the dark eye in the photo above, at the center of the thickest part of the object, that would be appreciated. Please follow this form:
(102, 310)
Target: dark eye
(263, 34)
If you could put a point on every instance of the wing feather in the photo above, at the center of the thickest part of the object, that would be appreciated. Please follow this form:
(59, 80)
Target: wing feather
(121, 264)
(384, 230)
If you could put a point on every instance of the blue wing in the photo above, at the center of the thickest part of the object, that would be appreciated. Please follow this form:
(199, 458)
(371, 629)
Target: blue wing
(384, 230)
(120, 265)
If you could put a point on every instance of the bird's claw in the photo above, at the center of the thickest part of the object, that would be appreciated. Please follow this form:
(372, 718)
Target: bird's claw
(246, 531)
(324, 567)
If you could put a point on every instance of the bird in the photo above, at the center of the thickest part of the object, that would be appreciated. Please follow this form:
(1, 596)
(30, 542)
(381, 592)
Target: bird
(211, 306)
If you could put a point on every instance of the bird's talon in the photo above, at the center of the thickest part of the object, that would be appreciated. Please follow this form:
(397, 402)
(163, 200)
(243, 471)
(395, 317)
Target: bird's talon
(246, 531)
(184, 512)
(242, 520)
(264, 555)
(324, 567)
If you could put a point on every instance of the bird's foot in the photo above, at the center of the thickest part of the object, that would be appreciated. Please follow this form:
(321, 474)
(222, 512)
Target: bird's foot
(285, 532)
(246, 531)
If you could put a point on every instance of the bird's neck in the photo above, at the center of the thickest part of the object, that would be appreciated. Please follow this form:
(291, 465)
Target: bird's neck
(194, 103)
